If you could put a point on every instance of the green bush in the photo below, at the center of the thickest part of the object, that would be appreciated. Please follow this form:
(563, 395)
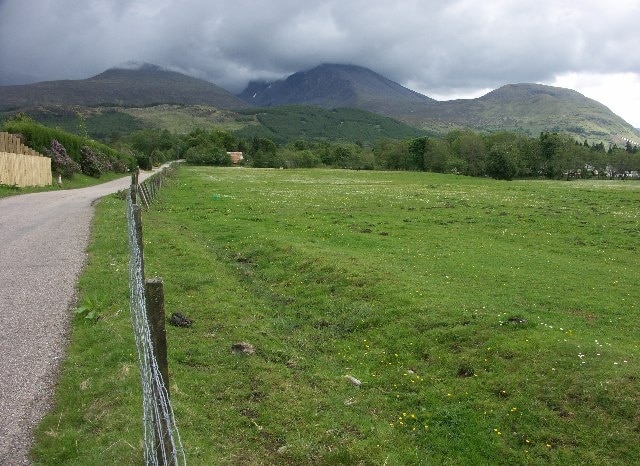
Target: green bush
(207, 155)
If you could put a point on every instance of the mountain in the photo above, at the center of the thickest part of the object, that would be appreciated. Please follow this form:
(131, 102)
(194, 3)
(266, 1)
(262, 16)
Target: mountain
(145, 84)
(525, 108)
(529, 109)
(333, 86)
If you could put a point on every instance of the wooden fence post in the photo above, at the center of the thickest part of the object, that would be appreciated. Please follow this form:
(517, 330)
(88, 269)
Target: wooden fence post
(134, 186)
(155, 316)
(155, 313)
(137, 219)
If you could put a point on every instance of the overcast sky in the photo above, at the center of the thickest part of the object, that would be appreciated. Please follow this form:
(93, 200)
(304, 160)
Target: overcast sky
(442, 48)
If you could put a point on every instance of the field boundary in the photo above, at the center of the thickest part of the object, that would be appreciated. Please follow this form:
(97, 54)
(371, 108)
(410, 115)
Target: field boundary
(20, 165)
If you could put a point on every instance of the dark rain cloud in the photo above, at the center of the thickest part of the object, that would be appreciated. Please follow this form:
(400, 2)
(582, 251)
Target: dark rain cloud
(438, 47)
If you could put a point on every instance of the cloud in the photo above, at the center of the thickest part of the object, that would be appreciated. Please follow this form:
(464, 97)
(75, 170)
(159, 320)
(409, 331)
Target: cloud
(439, 47)
(619, 91)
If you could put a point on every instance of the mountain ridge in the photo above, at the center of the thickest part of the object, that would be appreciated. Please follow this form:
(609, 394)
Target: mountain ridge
(333, 85)
(526, 108)
(145, 85)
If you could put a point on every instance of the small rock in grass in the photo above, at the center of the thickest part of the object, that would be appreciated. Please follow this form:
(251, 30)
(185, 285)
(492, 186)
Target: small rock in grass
(180, 320)
(242, 347)
(516, 320)
(353, 380)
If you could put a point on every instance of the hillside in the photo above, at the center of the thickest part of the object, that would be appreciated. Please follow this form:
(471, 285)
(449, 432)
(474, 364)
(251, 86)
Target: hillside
(145, 85)
(281, 124)
(108, 122)
(526, 108)
(289, 123)
(530, 109)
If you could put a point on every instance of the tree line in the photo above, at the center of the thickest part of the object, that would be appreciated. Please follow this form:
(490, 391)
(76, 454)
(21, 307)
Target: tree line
(504, 155)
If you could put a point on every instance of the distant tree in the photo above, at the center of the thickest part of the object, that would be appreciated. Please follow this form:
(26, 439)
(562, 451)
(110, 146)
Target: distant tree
(530, 157)
(502, 162)
(148, 140)
(438, 157)
(207, 154)
(342, 156)
(367, 159)
(417, 150)
(391, 154)
(305, 158)
(470, 148)
(555, 151)
(631, 148)
(301, 144)
(263, 153)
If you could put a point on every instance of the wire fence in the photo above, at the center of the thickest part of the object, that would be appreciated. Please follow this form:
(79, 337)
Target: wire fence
(162, 444)
(149, 188)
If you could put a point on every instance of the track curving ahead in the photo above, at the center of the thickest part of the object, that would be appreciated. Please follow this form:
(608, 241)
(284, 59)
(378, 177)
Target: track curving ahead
(43, 238)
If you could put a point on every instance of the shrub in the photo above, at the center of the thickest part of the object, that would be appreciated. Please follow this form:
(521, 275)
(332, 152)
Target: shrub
(61, 163)
(94, 163)
(119, 166)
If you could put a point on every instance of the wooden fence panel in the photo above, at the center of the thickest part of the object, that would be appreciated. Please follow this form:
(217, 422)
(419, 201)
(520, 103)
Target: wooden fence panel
(20, 165)
(24, 170)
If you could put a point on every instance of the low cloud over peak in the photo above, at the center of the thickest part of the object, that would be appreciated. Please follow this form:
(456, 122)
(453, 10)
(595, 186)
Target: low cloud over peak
(440, 48)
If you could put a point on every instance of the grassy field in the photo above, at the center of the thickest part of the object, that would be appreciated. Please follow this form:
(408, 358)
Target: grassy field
(487, 322)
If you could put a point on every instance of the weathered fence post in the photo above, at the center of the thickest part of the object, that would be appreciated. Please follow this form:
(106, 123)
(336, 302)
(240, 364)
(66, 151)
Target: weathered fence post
(137, 218)
(134, 187)
(163, 450)
(155, 316)
(154, 292)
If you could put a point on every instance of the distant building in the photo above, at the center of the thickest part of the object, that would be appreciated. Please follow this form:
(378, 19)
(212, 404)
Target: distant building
(236, 157)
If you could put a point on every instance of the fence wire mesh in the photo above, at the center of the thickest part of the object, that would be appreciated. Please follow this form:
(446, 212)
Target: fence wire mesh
(162, 444)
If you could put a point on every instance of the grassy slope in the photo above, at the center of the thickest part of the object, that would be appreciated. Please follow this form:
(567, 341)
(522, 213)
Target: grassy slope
(183, 119)
(305, 122)
(489, 322)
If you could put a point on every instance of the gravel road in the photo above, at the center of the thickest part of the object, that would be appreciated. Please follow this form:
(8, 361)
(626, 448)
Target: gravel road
(43, 238)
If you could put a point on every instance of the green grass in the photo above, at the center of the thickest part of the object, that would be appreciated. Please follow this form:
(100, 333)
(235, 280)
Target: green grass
(489, 322)
(77, 181)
